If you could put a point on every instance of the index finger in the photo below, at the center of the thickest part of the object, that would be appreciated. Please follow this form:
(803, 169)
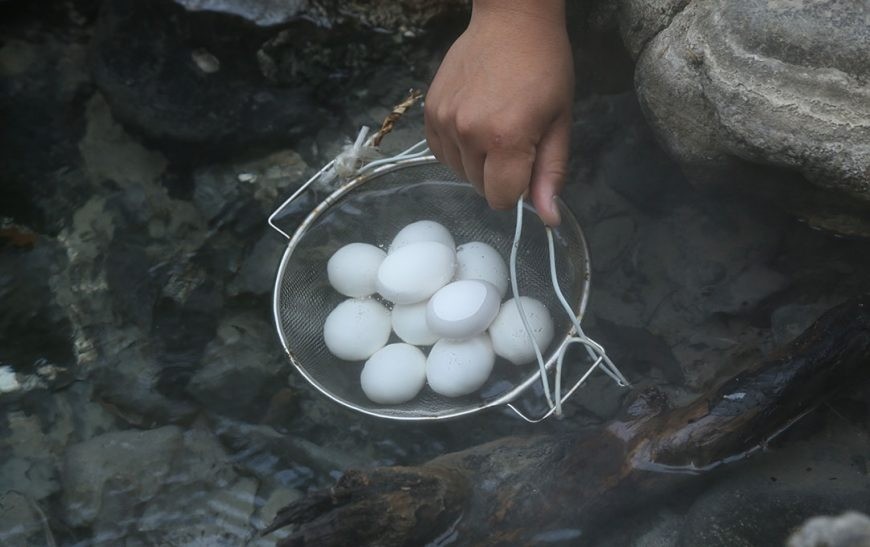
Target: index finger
(506, 176)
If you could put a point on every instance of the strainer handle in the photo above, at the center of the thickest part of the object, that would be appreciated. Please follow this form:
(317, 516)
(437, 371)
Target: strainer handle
(565, 397)
(277, 212)
(419, 149)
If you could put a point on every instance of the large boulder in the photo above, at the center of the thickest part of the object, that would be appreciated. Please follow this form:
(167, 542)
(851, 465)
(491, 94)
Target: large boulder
(726, 85)
(404, 15)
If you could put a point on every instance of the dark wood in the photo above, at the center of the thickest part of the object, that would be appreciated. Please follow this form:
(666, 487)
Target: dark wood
(504, 492)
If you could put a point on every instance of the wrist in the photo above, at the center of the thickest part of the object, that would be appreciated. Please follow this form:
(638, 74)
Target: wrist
(546, 14)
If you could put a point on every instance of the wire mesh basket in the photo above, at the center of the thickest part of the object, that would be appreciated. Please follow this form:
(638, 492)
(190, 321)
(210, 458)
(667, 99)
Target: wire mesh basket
(372, 208)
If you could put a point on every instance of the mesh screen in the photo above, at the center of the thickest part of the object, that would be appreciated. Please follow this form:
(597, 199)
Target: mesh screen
(373, 213)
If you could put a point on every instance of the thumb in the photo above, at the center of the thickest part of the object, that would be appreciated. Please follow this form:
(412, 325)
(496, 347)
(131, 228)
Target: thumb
(550, 170)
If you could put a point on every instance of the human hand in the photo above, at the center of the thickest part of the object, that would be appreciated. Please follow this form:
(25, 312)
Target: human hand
(499, 109)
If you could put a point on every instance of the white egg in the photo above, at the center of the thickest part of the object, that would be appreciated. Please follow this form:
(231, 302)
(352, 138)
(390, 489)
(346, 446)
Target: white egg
(394, 375)
(477, 260)
(459, 367)
(414, 272)
(422, 230)
(353, 269)
(356, 329)
(409, 322)
(462, 308)
(509, 338)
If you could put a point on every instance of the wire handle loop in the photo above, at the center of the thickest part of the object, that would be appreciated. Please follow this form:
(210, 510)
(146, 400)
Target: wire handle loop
(594, 350)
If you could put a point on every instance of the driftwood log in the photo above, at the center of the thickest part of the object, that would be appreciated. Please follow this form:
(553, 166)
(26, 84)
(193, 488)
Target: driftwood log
(505, 492)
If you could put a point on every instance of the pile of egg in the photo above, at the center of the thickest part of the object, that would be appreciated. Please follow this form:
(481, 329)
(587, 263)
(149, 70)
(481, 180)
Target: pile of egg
(443, 296)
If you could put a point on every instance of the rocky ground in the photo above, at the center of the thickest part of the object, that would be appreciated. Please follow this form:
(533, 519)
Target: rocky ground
(144, 398)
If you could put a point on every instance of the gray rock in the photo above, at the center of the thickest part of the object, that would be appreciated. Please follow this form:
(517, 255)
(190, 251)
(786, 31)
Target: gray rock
(390, 15)
(242, 369)
(200, 516)
(277, 499)
(789, 321)
(724, 85)
(246, 190)
(22, 522)
(850, 529)
(141, 59)
(100, 472)
(257, 273)
(746, 290)
(262, 12)
(288, 458)
(763, 503)
(609, 240)
(600, 396)
(161, 486)
(32, 325)
(641, 20)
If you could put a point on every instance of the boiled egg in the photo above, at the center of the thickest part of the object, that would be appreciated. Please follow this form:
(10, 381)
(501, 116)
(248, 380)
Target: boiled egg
(422, 230)
(459, 367)
(415, 271)
(462, 308)
(409, 322)
(356, 329)
(477, 260)
(394, 375)
(353, 269)
(509, 338)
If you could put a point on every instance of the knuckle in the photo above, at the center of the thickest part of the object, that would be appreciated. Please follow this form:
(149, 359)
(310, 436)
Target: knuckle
(502, 199)
(465, 124)
(499, 204)
(442, 114)
(503, 137)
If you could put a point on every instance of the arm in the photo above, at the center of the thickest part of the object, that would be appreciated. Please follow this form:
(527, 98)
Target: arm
(499, 109)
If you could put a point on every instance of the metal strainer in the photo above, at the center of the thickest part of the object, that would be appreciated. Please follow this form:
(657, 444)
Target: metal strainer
(372, 208)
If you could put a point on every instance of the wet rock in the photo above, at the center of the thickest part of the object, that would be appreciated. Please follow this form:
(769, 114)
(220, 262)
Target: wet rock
(263, 13)
(29, 465)
(385, 15)
(291, 460)
(723, 85)
(762, 504)
(283, 404)
(34, 437)
(275, 500)
(22, 522)
(32, 325)
(600, 396)
(659, 529)
(242, 368)
(164, 486)
(99, 472)
(244, 193)
(137, 292)
(847, 530)
(200, 516)
(746, 290)
(142, 62)
(609, 240)
(257, 273)
(129, 163)
(43, 74)
(641, 20)
(9, 382)
(788, 321)
(16, 385)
